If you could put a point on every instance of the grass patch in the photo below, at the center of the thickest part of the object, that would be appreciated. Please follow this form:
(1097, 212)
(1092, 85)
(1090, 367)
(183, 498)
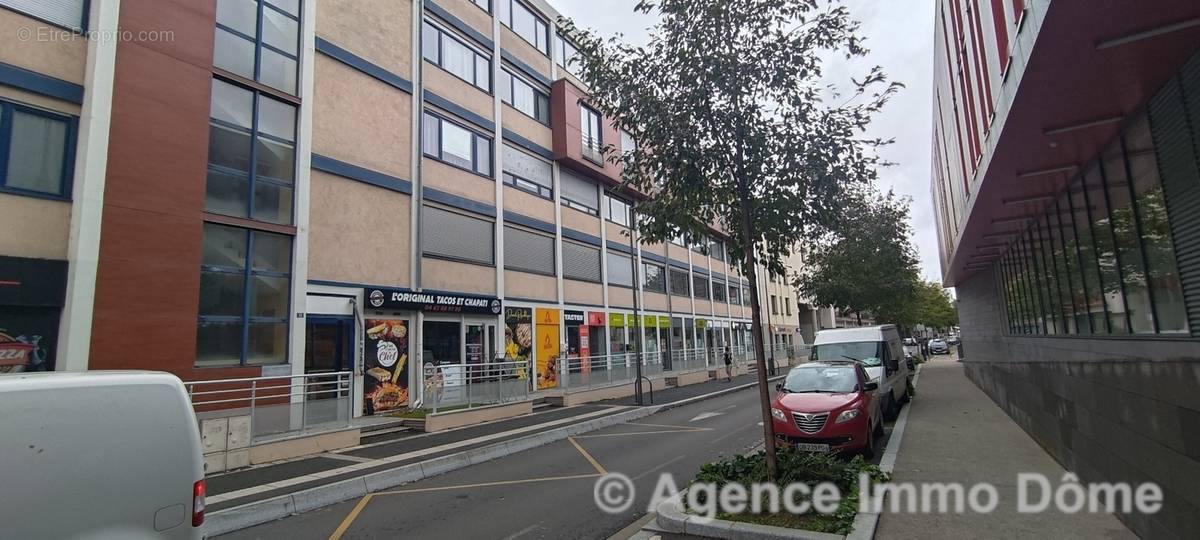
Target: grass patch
(794, 467)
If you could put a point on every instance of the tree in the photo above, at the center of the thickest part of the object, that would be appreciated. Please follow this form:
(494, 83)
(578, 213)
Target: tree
(732, 128)
(935, 308)
(867, 262)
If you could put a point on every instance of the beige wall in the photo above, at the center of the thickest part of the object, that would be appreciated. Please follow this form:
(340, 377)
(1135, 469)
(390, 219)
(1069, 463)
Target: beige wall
(703, 307)
(526, 127)
(574, 219)
(34, 228)
(620, 297)
(458, 91)
(357, 232)
(440, 176)
(678, 253)
(360, 120)
(530, 286)
(657, 249)
(582, 292)
(654, 301)
(469, 13)
(615, 233)
(524, 52)
(459, 277)
(528, 205)
(380, 31)
(59, 58)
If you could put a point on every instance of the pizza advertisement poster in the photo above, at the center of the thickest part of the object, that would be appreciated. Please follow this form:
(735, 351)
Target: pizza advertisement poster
(385, 365)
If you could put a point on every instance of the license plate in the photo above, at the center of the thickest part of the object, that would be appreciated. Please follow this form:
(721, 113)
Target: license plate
(812, 447)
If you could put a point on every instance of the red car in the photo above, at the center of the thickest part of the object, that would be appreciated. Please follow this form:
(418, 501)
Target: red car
(828, 406)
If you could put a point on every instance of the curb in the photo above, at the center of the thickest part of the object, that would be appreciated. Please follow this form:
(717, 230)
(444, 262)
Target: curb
(282, 506)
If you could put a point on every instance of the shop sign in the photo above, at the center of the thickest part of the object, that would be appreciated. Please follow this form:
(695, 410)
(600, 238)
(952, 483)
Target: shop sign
(664, 321)
(432, 302)
(616, 320)
(701, 323)
(595, 318)
(518, 337)
(649, 321)
(573, 318)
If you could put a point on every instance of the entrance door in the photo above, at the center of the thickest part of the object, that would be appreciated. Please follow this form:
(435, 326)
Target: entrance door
(328, 344)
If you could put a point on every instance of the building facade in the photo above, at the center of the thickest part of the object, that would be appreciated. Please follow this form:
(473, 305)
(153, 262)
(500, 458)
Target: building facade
(243, 188)
(1066, 184)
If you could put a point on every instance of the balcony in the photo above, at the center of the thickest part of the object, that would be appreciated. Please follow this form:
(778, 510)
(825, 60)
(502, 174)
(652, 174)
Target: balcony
(574, 150)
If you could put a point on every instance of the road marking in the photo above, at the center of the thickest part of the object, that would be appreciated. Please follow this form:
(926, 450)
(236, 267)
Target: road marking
(288, 482)
(345, 457)
(487, 484)
(589, 457)
(643, 433)
(353, 515)
(522, 532)
(665, 425)
(705, 416)
(659, 467)
(731, 433)
(422, 435)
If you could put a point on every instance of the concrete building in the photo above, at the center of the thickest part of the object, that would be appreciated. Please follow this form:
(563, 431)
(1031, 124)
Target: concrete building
(244, 188)
(1067, 185)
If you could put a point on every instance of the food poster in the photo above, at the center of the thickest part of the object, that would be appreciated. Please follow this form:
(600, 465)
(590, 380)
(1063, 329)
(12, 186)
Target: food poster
(518, 336)
(385, 361)
(547, 348)
(27, 339)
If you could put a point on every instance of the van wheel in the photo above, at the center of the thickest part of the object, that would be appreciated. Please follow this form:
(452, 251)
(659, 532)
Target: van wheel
(889, 412)
(907, 397)
(879, 429)
(872, 441)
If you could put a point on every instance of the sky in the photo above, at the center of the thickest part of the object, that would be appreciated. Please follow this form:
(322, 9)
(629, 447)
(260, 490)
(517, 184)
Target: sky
(899, 34)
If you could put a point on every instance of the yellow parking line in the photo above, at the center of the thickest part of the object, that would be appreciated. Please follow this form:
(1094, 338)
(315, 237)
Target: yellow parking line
(486, 484)
(639, 433)
(669, 426)
(362, 503)
(589, 457)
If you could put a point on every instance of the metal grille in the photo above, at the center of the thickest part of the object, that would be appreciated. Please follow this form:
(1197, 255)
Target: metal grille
(457, 236)
(620, 269)
(580, 261)
(810, 422)
(527, 251)
(679, 282)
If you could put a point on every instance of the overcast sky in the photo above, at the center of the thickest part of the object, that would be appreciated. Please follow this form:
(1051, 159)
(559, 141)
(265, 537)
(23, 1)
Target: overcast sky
(900, 36)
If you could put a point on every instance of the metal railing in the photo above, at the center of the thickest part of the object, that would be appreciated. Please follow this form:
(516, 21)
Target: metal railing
(276, 405)
(606, 370)
(476, 385)
(694, 359)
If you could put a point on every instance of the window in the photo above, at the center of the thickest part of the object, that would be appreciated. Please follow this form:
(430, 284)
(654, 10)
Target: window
(700, 286)
(524, 23)
(251, 155)
(787, 304)
(774, 305)
(245, 294)
(451, 143)
(627, 142)
(679, 282)
(455, 236)
(593, 138)
(528, 173)
(745, 295)
(678, 239)
(37, 151)
(718, 292)
(485, 5)
(735, 296)
(616, 211)
(66, 13)
(528, 251)
(259, 40)
(620, 269)
(716, 249)
(567, 54)
(524, 97)
(579, 192)
(654, 278)
(446, 51)
(580, 262)
(699, 244)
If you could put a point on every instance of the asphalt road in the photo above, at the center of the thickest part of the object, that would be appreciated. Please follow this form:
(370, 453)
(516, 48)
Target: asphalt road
(545, 492)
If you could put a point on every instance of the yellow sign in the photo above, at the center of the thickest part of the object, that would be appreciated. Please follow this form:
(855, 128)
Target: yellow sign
(548, 316)
(547, 350)
(616, 320)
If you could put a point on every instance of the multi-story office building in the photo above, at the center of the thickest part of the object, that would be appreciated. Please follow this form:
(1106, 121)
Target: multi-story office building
(1067, 188)
(242, 188)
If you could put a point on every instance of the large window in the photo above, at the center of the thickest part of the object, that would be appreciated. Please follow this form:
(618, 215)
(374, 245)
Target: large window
(456, 145)
(245, 283)
(593, 135)
(654, 278)
(528, 251)
(700, 286)
(735, 296)
(567, 53)
(448, 52)
(37, 149)
(616, 211)
(259, 40)
(1100, 260)
(620, 269)
(680, 282)
(485, 5)
(455, 236)
(528, 173)
(718, 291)
(525, 97)
(579, 192)
(716, 249)
(580, 262)
(522, 20)
(251, 155)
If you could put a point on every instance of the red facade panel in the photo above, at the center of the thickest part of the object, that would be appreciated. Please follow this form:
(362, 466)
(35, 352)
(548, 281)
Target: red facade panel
(998, 22)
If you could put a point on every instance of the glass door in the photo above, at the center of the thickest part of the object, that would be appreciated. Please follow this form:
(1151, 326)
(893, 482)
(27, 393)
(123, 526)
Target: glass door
(328, 347)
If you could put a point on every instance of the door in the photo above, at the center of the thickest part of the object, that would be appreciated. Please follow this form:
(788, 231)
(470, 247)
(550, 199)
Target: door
(328, 344)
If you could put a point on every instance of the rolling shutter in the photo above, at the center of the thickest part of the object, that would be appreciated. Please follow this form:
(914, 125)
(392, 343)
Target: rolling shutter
(620, 270)
(579, 190)
(457, 236)
(68, 13)
(580, 262)
(520, 164)
(528, 251)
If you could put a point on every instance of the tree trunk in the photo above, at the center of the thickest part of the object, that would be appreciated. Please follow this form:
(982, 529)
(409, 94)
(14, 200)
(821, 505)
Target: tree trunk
(858, 315)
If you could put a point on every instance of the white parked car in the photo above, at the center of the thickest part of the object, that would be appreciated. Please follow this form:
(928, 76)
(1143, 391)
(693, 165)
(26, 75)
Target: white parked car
(879, 350)
(101, 454)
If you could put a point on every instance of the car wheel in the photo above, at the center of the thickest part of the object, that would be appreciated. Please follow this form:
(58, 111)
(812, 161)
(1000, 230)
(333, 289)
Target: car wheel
(879, 428)
(872, 440)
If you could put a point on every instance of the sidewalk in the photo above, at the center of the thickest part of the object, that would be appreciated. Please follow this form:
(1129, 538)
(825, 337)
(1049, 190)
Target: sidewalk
(955, 433)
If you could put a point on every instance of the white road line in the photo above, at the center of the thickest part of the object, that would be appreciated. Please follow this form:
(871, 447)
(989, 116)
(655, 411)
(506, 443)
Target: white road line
(659, 467)
(522, 532)
(344, 457)
(401, 457)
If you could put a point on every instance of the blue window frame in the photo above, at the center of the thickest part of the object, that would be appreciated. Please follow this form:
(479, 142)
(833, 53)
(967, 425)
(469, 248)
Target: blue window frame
(37, 151)
(245, 297)
(525, 97)
(447, 51)
(525, 22)
(251, 155)
(485, 5)
(455, 145)
(259, 40)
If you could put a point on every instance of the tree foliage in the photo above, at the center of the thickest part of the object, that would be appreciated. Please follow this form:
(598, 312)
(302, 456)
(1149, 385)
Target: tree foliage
(934, 307)
(867, 263)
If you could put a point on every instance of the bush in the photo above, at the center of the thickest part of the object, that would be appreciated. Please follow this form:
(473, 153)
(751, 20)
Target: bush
(795, 466)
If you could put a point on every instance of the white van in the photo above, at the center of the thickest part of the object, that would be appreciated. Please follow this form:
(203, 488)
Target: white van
(879, 350)
(99, 455)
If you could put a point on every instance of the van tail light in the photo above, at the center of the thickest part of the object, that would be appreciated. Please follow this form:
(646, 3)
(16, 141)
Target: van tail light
(198, 503)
